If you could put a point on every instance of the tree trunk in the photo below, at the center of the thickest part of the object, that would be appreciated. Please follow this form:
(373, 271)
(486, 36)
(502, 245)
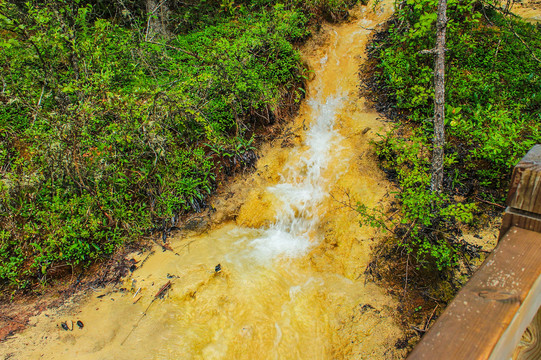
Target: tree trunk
(436, 182)
(158, 16)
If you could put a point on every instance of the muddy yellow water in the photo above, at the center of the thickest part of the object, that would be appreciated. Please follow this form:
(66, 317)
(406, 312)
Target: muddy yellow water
(290, 283)
(529, 10)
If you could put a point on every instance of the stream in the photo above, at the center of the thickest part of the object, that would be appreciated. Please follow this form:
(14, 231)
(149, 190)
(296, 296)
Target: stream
(285, 278)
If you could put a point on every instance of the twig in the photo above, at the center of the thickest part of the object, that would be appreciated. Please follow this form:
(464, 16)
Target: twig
(39, 103)
(406, 284)
(186, 245)
(430, 318)
(490, 203)
(159, 294)
(146, 258)
(162, 290)
(510, 28)
(417, 329)
(365, 28)
(165, 247)
(407, 232)
(486, 17)
(524, 43)
(349, 205)
(496, 54)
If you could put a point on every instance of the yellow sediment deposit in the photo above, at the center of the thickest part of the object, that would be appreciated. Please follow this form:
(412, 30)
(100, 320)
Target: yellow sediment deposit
(529, 10)
(259, 210)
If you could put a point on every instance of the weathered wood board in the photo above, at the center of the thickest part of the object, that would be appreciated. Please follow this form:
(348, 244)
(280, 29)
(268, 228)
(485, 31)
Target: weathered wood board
(521, 219)
(529, 347)
(525, 189)
(524, 198)
(484, 321)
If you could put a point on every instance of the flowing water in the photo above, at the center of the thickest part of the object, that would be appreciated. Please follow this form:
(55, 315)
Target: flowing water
(291, 283)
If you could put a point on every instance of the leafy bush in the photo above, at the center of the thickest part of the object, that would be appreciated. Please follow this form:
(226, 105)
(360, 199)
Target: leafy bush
(492, 113)
(105, 135)
(428, 219)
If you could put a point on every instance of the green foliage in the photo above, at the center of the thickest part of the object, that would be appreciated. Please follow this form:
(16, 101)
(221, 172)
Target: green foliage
(492, 83)
(104, 135)
(427, 218)
(492, 113)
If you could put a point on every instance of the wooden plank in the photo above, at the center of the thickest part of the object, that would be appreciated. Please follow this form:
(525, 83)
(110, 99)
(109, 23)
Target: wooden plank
(476, 321)
(525, 190)
(522, 219)
(529, 347)
(511, 337)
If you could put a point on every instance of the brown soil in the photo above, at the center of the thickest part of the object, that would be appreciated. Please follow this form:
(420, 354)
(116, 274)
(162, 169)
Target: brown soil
(18, 307)
(423, 294)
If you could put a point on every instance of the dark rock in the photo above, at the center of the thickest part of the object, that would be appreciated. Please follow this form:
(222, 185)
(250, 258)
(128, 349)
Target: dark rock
(196, 224)
(402, 343)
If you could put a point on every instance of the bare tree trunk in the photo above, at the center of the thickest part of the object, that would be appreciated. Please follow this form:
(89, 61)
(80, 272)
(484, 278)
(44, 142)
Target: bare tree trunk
(436, 182)
(158, 16)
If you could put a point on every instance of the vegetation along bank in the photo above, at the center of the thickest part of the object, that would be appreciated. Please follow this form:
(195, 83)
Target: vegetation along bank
(117, 118)
(492, 117)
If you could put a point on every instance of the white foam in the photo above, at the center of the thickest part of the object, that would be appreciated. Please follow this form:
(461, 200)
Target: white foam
(278, 335)
(302, 189)
(276, 242)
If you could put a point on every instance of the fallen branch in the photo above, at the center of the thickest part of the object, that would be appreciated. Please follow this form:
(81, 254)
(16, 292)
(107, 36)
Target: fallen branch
(490, 203)
(427, 324)
(526, 45)
(159, 294)
(162, 290)
(417, 329)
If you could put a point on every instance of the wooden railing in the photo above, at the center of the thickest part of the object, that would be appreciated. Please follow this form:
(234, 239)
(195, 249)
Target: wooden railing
(489, 315)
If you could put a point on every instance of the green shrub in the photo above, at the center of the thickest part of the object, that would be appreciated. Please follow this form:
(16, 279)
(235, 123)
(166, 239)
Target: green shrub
(105, 136)
(492, 113)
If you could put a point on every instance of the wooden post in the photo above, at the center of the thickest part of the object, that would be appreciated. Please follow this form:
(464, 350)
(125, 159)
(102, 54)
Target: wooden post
(524, 199)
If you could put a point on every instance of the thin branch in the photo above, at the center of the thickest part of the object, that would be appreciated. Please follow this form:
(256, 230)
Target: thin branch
(490, 203)
(427, 324)
(510, 28)
(496, 54)
(524, 43)
(39, 103)
(425, 52)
